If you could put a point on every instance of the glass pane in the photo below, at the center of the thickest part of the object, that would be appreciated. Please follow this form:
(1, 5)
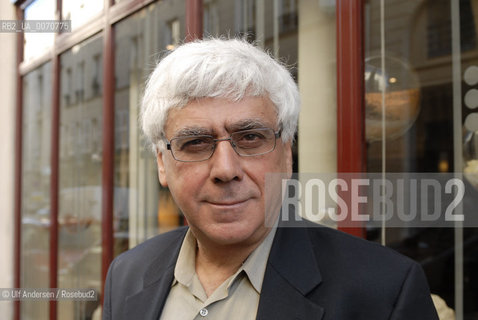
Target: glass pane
(418, 134)
(142, 208)
(36, 188)
(37, 44)
(273, 24)
(81, 120)
(81, 11)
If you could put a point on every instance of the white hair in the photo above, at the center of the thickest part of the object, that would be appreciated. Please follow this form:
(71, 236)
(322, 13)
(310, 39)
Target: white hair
(217, 68)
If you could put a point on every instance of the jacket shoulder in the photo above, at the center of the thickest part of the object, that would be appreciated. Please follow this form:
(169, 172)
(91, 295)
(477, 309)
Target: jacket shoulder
(356, 255)
(374, 277)
(148, 250)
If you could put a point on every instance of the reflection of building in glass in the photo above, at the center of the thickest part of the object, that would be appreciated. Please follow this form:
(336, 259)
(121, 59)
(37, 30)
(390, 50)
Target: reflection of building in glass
(80, 11)
(302, 34)
(36, 184)
(81, 151)
(38, 43)
(140, 41)
(420, 33)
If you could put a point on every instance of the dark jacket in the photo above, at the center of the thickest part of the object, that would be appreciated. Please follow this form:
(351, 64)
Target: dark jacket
(312, 273)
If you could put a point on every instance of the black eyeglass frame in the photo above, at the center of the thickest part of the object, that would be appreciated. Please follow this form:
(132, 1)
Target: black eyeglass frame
(277, 135)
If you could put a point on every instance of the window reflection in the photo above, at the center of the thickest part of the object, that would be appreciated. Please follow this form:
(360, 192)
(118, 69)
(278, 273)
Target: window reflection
(437, 16)
(36, 188)
(81, 118)
(142, 208)
(80, 11)
(418, 34)
(37, 44)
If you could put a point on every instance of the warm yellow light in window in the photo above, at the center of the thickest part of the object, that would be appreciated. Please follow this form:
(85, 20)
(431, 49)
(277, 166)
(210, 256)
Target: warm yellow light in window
(443, 165)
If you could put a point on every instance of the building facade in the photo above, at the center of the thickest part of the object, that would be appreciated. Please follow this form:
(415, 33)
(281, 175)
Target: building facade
(386, 87)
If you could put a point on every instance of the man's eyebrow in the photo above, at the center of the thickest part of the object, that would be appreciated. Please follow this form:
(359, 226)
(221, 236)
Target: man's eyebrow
(192, 131)
(247, 124)
(244, 124)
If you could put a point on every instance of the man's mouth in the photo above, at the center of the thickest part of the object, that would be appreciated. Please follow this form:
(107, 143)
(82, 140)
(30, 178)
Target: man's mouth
(228, 202)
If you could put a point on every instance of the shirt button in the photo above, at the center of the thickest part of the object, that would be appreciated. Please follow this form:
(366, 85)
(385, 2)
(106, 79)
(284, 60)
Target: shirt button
(203, 312)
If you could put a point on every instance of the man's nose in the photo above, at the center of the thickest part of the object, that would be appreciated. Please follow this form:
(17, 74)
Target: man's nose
(225, 163)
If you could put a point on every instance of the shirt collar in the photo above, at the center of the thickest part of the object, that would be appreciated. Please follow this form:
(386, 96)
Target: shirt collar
(254, 266)
(186, 264)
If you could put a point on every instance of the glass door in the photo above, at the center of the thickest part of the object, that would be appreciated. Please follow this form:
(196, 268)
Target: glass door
(421, 62)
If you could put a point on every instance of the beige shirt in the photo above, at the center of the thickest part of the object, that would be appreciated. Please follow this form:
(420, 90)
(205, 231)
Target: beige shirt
(236, 298)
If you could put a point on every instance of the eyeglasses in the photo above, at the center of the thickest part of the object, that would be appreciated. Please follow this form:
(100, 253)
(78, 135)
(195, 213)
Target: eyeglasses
(246, 143)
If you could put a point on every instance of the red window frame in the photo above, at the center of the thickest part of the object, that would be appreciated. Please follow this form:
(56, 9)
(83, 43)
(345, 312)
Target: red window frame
(351, 146)
(350, 115)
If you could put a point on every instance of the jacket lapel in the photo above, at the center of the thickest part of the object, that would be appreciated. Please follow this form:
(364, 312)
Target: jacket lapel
(291, 274)
(148, 303)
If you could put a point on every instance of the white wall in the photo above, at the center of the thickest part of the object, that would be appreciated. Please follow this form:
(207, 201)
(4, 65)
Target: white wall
(7, 129)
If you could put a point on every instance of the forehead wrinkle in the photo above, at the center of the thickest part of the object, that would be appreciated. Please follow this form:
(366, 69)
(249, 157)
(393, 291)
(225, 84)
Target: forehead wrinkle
(247, 124)
(244, 124)
(192, 131)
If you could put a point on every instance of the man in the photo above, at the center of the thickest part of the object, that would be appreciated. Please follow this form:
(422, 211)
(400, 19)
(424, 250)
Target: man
(220, 115)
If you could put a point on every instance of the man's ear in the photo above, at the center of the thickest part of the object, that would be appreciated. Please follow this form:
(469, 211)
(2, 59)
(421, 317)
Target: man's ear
(161, 169)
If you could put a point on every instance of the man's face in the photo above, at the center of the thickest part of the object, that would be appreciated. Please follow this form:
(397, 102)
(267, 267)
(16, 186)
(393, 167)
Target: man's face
(223, 198)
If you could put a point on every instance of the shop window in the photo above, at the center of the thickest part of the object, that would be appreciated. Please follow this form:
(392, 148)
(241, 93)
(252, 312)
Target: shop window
(142, 208)
(35, 212)
(80, 185)
(420, 92)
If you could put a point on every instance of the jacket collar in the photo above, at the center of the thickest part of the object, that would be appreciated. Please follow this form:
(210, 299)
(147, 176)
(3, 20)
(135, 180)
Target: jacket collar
(292, 273)
(148, 303)
(287, 280)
